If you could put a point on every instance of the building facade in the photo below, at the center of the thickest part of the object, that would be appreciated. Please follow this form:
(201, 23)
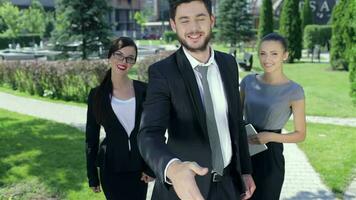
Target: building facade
(321, 9)
(48, 5)
(122, 17)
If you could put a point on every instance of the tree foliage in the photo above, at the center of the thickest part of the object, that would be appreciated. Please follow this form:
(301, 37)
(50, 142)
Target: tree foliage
(307, 17)
(234, 21)
(27, 21)
(83, 20)
(316, 35)
(266, 19)
(351, 53)
(10, 16)
(290, 27)
(34, 19)
(343, 33)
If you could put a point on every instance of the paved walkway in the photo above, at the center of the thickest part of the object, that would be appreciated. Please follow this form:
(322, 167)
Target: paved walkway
(301, 180)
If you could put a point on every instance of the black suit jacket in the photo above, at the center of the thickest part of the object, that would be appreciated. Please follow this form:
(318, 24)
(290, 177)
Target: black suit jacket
(113, 152)
(173, 101)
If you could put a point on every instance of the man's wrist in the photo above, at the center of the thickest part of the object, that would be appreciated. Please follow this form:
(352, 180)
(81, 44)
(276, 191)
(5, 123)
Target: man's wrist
(166, 180)
(171, 168)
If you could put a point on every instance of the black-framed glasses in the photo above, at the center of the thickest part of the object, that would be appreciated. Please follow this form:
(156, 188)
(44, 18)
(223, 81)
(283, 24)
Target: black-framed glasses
(119, 56)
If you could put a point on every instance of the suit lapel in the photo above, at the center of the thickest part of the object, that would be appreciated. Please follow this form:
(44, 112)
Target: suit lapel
(139, 98)
(112, 118)
(227, 79)
(191, 85)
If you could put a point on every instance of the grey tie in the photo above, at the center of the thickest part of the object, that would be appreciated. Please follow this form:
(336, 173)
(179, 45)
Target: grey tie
(218, 162)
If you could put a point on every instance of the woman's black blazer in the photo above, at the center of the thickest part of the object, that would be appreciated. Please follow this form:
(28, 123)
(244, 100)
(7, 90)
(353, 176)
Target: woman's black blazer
(113, 152)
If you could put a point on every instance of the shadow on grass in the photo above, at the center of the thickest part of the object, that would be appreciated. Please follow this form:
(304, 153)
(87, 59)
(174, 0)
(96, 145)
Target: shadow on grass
(50, 152)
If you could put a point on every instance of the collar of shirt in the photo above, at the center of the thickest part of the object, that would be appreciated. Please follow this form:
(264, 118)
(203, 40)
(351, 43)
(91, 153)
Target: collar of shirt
(194, 62)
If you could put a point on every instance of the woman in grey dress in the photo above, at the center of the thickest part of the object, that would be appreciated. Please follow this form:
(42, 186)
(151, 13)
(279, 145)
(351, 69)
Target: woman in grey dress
(269, 99)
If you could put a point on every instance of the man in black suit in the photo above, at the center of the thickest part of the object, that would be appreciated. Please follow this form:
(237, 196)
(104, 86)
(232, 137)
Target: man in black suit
(194, 93)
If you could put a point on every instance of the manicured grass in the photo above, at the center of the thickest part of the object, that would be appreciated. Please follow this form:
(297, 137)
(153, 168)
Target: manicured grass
(332, 152)
(149, 42)
(153, 42)
(41, 159)
(327, 91)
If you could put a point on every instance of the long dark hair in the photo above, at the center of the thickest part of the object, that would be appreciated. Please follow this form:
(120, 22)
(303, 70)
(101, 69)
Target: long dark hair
(105, 88)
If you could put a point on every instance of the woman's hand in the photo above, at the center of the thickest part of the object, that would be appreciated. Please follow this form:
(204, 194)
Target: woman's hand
(96, 189)
(261, 138)
(146, 178)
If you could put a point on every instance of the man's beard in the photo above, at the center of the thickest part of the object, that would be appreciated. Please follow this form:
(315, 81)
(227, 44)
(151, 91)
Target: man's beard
(203, 47)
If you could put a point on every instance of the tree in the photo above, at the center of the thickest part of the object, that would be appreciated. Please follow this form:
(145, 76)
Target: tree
(50, 23)
(351, 53)
(34, 19)
(290, 27)
(10, 16)
(140, 19)
(234, 21)
(266, 19)
(307, 17)
(84, 20)
(352, 75)
(338, 43)
(343, 40)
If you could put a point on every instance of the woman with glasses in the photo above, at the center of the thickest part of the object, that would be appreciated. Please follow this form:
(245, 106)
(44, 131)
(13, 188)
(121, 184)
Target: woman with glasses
(116, 105)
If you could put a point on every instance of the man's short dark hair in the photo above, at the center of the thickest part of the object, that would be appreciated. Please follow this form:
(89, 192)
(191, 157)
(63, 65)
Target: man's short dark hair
(173, 4)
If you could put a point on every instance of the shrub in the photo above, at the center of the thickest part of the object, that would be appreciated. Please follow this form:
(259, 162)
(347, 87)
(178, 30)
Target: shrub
(343, 33)
(291, 28)
(24, 40)
(316, 35)
(142, 66)
(353, 74)
(266, 19)
(67, 80)
(351, 53)
(169, 36)
(307, 14)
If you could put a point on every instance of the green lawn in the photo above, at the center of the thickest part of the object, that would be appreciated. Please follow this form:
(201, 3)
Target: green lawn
(332, 152)
(327, 91)
(41, 159)
(149, 42)
(153, 42)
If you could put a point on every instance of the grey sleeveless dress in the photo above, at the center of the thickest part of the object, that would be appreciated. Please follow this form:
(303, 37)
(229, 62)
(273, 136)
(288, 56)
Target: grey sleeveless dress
(268, 108)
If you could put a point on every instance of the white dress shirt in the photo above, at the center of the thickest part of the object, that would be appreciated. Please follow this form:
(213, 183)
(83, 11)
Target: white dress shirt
(125, 111)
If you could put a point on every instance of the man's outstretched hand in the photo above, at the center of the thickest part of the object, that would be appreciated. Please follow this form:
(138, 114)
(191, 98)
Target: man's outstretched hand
(182, 176)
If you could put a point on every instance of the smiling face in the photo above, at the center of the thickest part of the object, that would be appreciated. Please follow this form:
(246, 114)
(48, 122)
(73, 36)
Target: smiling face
(193, 25)
(123, 59)
(272, 54)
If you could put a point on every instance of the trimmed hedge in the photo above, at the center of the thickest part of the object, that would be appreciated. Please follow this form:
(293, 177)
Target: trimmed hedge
(353, 73)
(169, 36)
(25, 40)
(316, 35)
(67, 80)
(142, 69)
(343, 33)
